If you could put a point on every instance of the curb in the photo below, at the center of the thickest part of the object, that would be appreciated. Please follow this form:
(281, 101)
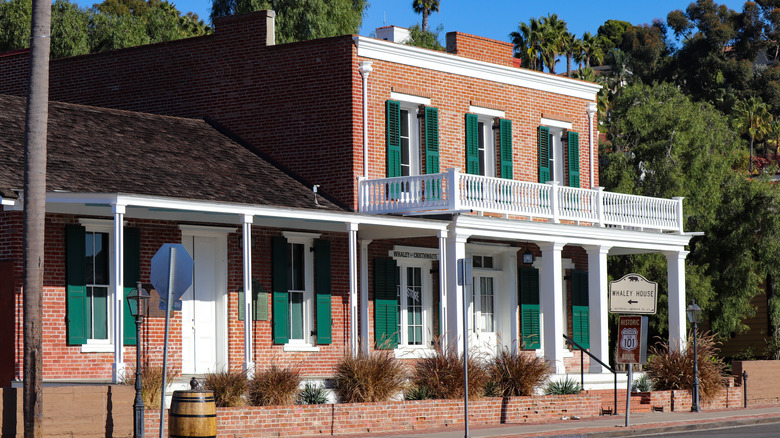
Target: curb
(697, 426)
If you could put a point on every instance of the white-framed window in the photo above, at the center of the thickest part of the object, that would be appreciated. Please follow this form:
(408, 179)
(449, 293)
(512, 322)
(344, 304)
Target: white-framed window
(486, 146)
(300, 266)
(99, 282)
(415, 307)
(556, 129)
(410, 140)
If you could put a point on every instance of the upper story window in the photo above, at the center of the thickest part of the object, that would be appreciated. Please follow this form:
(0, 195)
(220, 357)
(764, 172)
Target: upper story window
(412, 135)
(559, 153)
(488, 143)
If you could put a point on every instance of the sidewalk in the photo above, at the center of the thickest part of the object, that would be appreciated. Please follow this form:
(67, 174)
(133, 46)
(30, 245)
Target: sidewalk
(611, 426)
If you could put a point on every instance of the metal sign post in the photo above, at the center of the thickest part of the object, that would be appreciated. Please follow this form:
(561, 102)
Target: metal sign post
(632, 348)
(172, 276)
(464, 279)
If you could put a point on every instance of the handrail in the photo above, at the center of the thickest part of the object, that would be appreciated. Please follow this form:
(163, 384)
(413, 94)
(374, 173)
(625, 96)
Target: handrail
(582, 372)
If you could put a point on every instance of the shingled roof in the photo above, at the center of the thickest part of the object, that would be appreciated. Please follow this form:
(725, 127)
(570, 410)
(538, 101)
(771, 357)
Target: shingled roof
(98, 150)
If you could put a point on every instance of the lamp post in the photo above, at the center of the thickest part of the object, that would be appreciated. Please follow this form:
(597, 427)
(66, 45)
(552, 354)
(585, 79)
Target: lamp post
(136, 300)
(694, 313)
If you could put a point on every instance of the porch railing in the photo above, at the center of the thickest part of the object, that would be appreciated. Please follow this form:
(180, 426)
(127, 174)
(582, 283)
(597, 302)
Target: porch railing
(453, 191)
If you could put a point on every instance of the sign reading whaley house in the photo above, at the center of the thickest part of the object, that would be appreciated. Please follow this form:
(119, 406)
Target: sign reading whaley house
(633, 294)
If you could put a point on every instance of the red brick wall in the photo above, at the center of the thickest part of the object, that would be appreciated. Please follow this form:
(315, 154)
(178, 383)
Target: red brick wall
(761, 385)
(480, 48)
(361, 418)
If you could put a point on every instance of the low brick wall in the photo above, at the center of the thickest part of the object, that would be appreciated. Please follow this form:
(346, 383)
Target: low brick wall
(357, 418)
(762, 387)
(681, 400)
(73, 411)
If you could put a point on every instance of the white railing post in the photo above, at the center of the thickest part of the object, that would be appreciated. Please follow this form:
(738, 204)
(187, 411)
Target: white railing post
(679, 200)
(555, 201)
(600, 205)
(452, 189)
(361, 194)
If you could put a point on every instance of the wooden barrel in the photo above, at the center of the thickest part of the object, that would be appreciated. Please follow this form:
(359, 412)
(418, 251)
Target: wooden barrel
(192, 414)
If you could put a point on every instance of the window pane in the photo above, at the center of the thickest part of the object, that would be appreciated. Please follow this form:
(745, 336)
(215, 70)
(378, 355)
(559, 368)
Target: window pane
(481, 132)
(296, 315)
(98, 309)
(297, 267)
(96, 246)
(486, 303)
(488, 262)
(476, 261)
(414, 305)
(406, 153)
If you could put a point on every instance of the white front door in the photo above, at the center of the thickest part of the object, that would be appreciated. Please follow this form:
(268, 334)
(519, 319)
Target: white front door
(483, 338)
(202, 326)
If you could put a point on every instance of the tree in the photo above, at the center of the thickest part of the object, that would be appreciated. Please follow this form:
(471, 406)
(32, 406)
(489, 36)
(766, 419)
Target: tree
(527, 42)
(646, 48)
(425, 7)
(751, 117)
(301, 20)
(553, 30)
(570, 45)
(428, 40)
(592, 49)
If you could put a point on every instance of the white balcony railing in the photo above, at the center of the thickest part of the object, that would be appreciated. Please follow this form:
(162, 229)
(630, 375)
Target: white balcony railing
(453, 191)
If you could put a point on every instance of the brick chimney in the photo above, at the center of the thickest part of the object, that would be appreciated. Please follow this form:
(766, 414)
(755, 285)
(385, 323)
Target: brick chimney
(481, 49)
(258, 25)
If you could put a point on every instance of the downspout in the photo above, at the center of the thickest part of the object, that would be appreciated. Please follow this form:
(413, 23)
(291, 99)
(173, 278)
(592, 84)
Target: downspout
(364, 69)
(591, 109)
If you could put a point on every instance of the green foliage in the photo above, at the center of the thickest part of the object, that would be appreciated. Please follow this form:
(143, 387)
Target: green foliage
(229, 387)
(114, 24)
(642, 384)
(312, 394)
(441, 373)
(539, 42)
(673, 369)
(563, 387)
(372, 377)
(275, 386)
(426, 39)
(425, 7)
(514, 374)
(417, 393)
(301, 20)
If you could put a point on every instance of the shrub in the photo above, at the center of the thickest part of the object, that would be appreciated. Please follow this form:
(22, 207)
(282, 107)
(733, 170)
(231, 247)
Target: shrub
(563, 387)
(372, 377)
(151, 381)
(642, 384)
(417, 393)
(673, 369)
(275, 386)
(229, 387)
(513, 374)
(441, 373)
(312, 394)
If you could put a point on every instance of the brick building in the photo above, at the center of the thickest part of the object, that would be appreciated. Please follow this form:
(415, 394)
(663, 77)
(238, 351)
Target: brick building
(419, 159)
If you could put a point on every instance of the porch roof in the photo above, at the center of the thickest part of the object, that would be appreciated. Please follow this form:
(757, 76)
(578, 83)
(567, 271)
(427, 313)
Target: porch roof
(99, 150)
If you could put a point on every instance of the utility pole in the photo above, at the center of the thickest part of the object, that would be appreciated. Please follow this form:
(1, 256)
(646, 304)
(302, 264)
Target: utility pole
(35, 214)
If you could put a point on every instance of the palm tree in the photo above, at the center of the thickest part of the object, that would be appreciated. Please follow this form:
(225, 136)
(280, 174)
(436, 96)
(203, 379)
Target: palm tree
(773, 134)
(425, 7)
(527, 40)
(751, 118)
(553, 30)
(571, 47)
(591, 47)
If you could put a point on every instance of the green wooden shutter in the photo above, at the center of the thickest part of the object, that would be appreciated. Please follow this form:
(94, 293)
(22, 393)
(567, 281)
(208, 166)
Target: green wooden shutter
(579, 307)
(132, 271)
(281, 288)
(259, 302)
(505, 135)
(323, 290)
(431, 140)
(386, 303)
(544, 154)
(393, 138)
(574, 159)
(75, 273)
(472, 145)
(529, 308)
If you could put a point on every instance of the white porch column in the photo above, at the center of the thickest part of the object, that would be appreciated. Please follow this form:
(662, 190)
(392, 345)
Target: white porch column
(456, 249)
(443, 288)
(352, 230)
(246, 235)
(675, 269)
(598, 291)
(511, 279)
(591, 108)
(364, 295)
(118, 368)
(551, 300)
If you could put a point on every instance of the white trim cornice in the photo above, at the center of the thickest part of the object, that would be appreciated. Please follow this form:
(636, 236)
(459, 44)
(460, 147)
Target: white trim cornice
(448, 63)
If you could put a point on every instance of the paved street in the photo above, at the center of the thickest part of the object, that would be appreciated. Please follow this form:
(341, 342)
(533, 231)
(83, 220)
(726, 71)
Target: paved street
(768, 430)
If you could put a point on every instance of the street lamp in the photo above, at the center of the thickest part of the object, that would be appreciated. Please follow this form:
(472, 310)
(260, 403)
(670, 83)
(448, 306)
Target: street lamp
(694, 314)
(136, 300)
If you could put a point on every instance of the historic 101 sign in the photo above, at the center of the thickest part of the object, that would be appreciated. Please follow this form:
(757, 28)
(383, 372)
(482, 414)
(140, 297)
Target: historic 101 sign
(633, 294)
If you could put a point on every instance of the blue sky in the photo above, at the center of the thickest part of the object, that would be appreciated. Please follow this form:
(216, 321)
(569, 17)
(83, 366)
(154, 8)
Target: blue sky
(497, 18)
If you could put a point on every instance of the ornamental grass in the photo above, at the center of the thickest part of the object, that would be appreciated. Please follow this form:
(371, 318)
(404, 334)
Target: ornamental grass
(372, 377)
(673, 369)
(229, 386)
(512, 373)
(275, 386)
(440, 375)
(151, 383)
